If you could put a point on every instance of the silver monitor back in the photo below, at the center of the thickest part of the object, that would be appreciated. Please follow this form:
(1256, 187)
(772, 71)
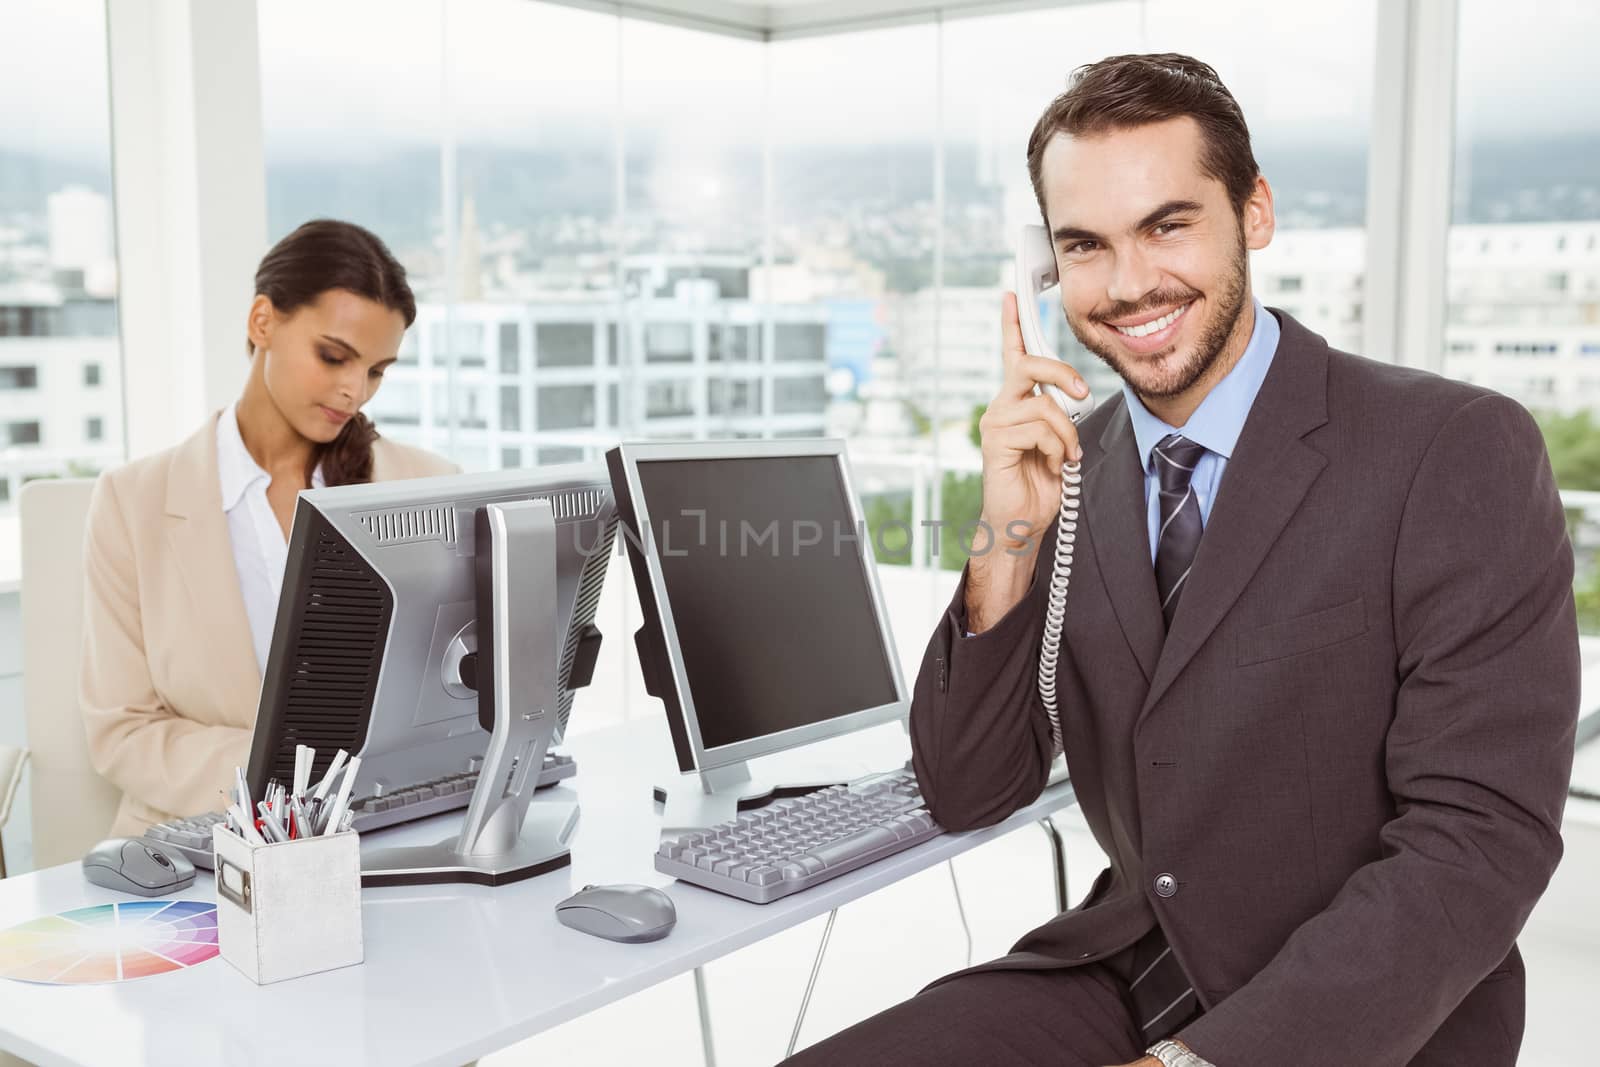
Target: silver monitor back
(374, 644)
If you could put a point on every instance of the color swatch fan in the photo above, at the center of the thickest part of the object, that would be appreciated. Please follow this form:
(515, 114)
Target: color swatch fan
(110, 942)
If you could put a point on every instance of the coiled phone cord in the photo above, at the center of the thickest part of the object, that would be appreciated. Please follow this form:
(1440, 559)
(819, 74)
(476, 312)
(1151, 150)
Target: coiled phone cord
(1056, 612)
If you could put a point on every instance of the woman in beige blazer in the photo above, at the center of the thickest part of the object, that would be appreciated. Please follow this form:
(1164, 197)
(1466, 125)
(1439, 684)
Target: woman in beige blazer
(178, 581)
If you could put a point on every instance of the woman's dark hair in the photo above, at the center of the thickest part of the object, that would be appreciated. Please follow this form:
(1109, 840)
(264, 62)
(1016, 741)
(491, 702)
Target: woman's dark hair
(326, 254)
(1121, 92)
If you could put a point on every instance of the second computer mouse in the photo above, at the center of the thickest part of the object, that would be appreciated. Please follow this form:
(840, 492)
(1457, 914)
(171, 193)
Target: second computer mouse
(629, 913)
(137, 865)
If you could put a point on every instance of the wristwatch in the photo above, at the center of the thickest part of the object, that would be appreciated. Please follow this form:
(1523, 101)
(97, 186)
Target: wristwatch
(1172, 1054)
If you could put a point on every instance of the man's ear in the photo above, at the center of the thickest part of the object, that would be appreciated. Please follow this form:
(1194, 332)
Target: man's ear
(1258, 219)
(260, 321)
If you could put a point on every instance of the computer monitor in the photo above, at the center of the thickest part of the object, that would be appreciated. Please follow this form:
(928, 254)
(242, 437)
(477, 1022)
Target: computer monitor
(764, 624)
(380, 649)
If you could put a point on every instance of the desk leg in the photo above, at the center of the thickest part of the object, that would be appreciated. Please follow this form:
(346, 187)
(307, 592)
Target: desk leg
(805, 1001)
(1058, 855)
(706, 1047)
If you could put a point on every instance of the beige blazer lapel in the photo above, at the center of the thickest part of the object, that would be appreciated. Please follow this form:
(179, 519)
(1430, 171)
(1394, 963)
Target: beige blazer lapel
(1266, 478)
(202, 550)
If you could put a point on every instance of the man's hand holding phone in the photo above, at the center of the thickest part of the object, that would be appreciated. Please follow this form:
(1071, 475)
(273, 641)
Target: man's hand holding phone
(1026, 438)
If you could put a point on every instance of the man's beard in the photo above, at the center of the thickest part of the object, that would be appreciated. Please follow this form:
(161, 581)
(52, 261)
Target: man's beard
(1226, 309)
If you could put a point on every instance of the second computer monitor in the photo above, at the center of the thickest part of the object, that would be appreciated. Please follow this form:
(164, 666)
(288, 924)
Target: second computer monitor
(764, 624)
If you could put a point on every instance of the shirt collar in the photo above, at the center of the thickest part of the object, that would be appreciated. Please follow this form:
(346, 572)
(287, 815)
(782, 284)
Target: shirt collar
(236, 468)
(1219, 419)
(238, 471)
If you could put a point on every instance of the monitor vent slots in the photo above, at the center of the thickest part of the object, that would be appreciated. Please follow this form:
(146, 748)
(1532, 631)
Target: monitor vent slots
(337, 654)
(583, 611)
(574, 503)
(410, 525)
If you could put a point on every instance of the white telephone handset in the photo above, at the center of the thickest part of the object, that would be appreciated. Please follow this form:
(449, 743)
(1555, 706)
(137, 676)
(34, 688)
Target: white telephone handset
(1036, 273)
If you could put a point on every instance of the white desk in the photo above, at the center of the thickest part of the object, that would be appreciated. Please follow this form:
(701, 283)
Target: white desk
(452, 972)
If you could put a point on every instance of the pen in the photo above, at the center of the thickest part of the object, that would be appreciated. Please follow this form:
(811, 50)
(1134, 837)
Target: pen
(303, 755)
(301, 827)
(333, 772)
(336, 813)
(243, 826)
(242, 788)
(270, 823)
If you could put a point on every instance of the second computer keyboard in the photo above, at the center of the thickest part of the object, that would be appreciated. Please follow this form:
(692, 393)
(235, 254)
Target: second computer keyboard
(192, 836)
(793, 844)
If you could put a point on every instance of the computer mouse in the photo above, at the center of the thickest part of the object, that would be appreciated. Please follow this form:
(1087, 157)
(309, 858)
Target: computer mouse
(630, 913)
(137, 865)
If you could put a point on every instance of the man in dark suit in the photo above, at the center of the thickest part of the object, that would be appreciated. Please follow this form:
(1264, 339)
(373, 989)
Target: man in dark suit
(1319, 675)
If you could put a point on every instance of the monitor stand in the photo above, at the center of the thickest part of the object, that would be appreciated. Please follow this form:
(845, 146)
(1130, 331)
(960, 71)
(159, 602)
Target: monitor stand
(506, 835)
(705, 798)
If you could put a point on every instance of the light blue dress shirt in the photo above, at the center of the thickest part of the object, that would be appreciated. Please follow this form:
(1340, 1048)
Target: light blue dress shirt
(1216, 423)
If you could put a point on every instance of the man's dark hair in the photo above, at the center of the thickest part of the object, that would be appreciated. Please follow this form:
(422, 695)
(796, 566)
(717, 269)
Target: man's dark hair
(1121, 92)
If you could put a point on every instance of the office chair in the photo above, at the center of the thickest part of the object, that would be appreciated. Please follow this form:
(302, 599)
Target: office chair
(12, 760)
(73, 806)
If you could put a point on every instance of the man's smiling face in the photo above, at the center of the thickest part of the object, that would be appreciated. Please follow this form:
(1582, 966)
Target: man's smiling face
(1152, 255)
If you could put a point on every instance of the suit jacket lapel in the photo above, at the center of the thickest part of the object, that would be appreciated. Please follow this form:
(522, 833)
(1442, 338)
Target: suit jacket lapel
(1114, 504)
(197, 532)
(1266, 478)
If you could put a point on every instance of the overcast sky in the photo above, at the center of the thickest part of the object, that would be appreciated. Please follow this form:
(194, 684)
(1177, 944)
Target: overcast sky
(518, 72)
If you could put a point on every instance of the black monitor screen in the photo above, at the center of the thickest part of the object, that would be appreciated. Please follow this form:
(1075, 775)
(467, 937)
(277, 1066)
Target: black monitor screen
(768, 591)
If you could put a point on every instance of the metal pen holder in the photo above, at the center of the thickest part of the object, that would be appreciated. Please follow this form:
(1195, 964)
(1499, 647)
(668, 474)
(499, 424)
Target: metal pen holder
(288, 909)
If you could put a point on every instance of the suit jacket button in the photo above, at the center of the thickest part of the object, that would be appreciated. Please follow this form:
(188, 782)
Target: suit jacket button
(1166, 885)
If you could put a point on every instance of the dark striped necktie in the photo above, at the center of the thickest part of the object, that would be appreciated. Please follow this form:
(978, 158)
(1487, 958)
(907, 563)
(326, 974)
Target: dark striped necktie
(1161, 993)
(1176, 458)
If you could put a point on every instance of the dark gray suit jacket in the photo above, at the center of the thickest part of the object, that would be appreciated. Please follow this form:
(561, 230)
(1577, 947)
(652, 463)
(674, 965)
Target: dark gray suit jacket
(1352, 751)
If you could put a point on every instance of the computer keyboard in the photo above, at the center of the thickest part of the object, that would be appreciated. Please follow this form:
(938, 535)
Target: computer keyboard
(793, 844)
(192, 836)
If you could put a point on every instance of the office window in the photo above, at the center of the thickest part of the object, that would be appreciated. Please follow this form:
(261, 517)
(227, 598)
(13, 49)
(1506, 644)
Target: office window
(510, 348)
(565, 407)
(560, 454)
(462, 341)
(668, 342)
(13, 378)
(397, 403)
(58, 272)
(791, 396)
(668, 399)
(23, 433)
(346, 137)
(564, 344)
(735, 343)
(94, 429)
(343, 137)
(799, 342)
(612, 402)
(532, 106)
(1524, 230)
(407, 356)
(733, 396)
(470, 405)
(510, 457)
(510, 407)
(91, 374)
